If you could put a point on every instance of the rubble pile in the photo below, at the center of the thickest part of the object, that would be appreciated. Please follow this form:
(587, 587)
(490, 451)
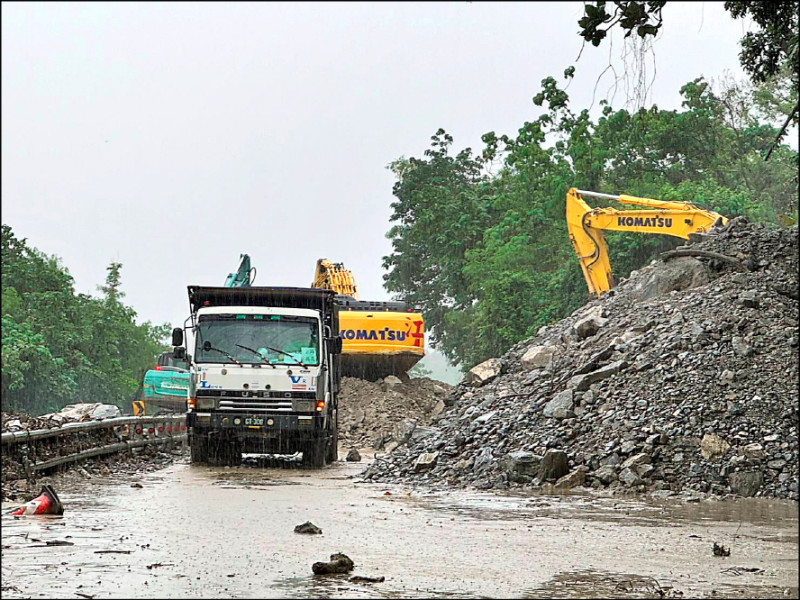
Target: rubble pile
(684, 378)
(373, 414)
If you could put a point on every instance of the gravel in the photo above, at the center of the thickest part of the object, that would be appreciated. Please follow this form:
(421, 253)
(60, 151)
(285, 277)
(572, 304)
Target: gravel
(372, 414)
(667, 383)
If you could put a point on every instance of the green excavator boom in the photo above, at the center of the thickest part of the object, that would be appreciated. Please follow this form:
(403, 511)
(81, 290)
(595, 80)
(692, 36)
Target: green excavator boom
(244, 276)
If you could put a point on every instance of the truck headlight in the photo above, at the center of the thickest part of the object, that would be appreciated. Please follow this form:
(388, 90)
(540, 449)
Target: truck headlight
(206, 403)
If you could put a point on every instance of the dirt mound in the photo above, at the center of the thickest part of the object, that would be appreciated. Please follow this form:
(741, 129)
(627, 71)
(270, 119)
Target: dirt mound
(372, 413)
(684, 377)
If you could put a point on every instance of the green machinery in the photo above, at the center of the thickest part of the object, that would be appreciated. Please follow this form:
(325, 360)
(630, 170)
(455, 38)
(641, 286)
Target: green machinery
(166, 385)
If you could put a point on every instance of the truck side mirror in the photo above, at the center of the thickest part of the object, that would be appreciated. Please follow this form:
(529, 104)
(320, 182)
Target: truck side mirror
(179, 353)
(335, 345)
(177, 336)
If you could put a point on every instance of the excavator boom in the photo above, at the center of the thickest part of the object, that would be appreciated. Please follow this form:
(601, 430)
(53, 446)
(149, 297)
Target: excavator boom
(585, 226)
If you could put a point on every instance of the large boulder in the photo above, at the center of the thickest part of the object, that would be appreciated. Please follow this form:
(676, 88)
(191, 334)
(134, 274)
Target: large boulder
(520, 463)
(636, 460)
(678, 274)
(391, 383)
(484, 372)
(713, 447)
(571, 480)
(554, 465)
(745, 484)
(538, 357)
(605, 474)
(425, 461)
(420, 433)
(402, 430)
(629, 477)
(560, 407)
(582, 382)
(589, 324)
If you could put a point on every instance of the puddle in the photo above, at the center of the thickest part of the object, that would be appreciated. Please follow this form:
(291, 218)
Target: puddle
(599, 584)
(215, 533)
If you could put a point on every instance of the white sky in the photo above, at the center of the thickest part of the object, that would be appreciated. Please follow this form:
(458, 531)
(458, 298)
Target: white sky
(173, 137)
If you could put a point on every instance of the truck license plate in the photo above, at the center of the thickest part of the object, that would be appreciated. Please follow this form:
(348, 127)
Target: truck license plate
(254, 421)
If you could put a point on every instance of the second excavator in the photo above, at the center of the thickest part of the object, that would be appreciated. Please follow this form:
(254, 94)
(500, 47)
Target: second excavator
(379, 338)
(585, 226)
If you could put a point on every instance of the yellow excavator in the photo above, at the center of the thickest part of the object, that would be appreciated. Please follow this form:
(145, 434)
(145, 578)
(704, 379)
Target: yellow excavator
(586, 225)
(379, 338)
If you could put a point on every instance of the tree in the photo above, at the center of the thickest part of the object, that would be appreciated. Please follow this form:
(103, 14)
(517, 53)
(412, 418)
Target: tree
(765, 54)
(487, 256)
(59, 347)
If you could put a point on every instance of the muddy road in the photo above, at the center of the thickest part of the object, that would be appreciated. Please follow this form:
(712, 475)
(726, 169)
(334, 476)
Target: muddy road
(195, 531)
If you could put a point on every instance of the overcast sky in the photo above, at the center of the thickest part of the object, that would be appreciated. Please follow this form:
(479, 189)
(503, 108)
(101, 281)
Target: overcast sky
(173, 137)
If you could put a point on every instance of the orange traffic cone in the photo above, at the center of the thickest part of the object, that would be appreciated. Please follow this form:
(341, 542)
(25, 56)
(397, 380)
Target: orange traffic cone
(47, 503)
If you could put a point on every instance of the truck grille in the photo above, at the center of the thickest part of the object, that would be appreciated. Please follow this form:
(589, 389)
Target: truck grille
(256, 404)
(259, 400)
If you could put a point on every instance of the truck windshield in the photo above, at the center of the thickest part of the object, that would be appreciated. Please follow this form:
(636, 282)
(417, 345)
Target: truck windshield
(297, 337)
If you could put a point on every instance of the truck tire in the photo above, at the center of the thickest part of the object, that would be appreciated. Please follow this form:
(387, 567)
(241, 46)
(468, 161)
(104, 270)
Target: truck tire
(225, 454)
(333, 447)
(198, 447)
(314, 453)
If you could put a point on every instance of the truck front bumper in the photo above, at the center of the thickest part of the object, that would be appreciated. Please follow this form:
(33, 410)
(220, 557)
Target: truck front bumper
(241, 424)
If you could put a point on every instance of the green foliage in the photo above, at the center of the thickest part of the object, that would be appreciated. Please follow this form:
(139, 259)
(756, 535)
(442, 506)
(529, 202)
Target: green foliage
(59, 347)
(643, 17)
(765, 52)
(487, 257)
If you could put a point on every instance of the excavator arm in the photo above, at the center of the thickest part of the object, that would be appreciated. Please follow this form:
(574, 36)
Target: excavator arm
(585, 226)
(245, 275)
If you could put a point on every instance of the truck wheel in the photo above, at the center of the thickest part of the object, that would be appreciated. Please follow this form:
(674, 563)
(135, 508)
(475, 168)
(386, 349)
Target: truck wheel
(333, 447)
(314, 453)
(225, 454)
(198, 447)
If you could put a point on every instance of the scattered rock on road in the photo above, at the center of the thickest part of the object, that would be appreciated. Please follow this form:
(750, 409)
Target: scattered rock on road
(307, 527)
(339, 563)
(365, 579)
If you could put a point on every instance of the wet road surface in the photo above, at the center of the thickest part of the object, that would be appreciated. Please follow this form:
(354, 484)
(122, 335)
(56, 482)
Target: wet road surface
(196, 531)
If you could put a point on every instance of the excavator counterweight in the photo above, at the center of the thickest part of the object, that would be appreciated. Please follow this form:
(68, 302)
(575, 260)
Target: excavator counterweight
(379, 338)
(585, 226)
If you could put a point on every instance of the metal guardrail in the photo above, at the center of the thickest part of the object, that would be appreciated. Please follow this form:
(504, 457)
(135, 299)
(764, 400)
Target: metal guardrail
(140, 431)
(15, 437)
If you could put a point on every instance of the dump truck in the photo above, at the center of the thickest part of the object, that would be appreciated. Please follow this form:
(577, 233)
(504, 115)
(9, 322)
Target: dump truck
(264, 374)
(380, 337)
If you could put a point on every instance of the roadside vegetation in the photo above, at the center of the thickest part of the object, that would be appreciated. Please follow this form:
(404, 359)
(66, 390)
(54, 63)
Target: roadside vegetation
(479, 239)
(59, 347)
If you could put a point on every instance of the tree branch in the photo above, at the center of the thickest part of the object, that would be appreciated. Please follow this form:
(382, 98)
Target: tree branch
(782, 131)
